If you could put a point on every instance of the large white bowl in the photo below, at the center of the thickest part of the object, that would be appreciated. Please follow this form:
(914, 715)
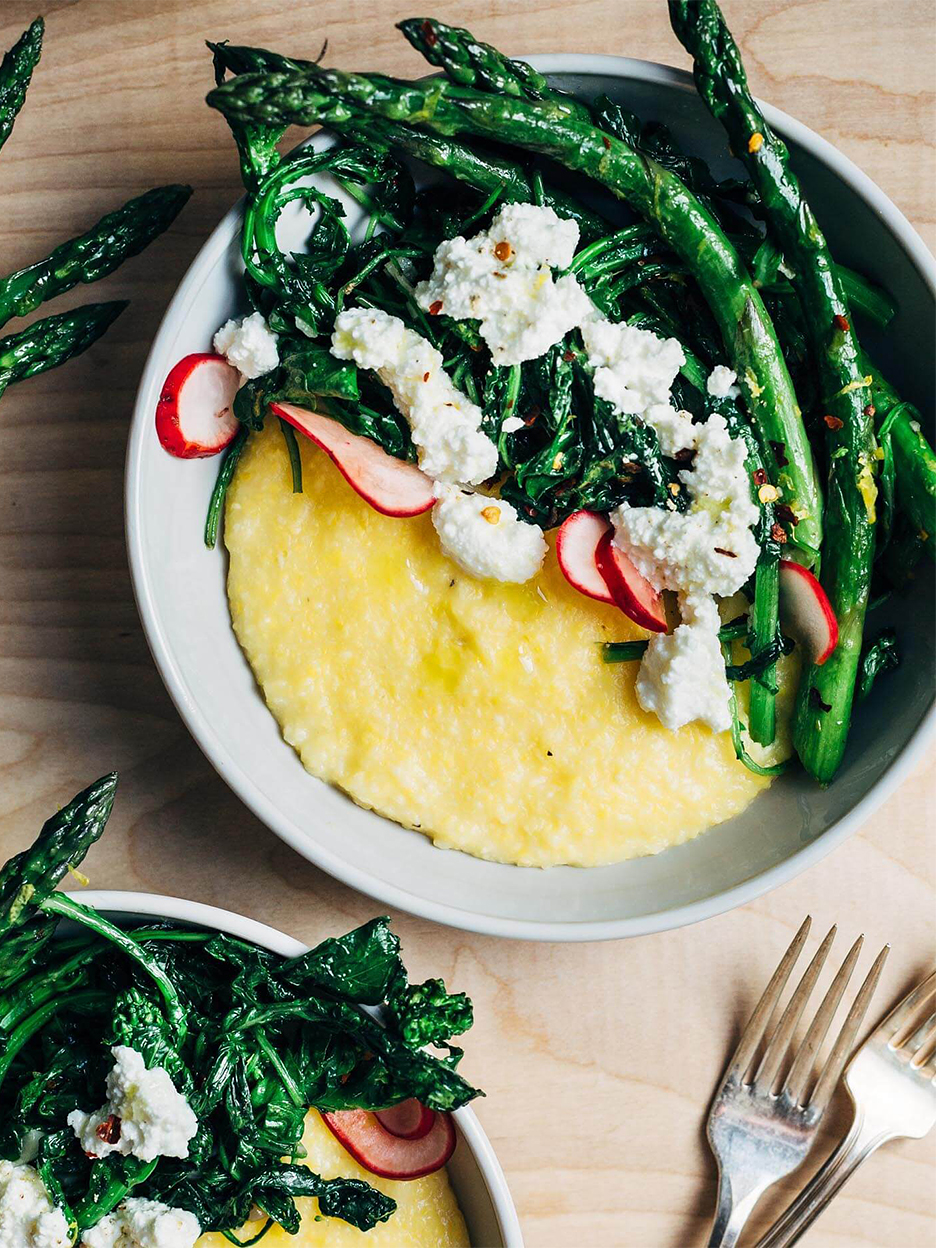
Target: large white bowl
(474, 1171)
(180, 592)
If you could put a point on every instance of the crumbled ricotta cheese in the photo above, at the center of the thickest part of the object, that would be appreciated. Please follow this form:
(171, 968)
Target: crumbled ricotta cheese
(674, 429)
(721, 382)
(634, 368)
(682, 676)
(28, 1219)
(445, 424)
(512, 424)
(706, 550)
(249, 344)
(486, 537)
(139, 1223)
(502, 278)
(154, 1118)
(537, 234)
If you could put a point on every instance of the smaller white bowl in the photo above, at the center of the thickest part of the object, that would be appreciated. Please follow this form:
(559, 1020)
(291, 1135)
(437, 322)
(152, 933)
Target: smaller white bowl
(474, 1171)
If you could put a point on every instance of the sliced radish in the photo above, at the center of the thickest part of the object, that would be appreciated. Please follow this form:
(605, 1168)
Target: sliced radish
(194, 417)
(388, 1155)
(805, 611)
(576, 542)
(391, 486)
(633, 593)
(410, 1120)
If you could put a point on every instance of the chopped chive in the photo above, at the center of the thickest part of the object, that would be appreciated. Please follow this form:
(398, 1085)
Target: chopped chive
(295, 459)
(225, 476)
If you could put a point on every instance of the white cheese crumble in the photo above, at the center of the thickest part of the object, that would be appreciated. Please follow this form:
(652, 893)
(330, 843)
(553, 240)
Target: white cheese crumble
(721, 382)
(502, 278)
(249, 344)
(142, 1223)
(28, 1219)
(445, 424)
(486, 537)
(634, 368)
(682, 676)
(706, 550)
(155, 1119)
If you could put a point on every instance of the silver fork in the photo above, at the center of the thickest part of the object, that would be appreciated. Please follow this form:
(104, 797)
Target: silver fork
(892, 1084)
(759, 1134)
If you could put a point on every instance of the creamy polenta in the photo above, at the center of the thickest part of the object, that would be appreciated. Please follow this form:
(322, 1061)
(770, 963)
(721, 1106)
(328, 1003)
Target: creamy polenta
(478, 712)
(427, 1214)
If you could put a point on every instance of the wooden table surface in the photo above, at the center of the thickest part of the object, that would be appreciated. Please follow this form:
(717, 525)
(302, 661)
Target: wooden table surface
(598, 1060)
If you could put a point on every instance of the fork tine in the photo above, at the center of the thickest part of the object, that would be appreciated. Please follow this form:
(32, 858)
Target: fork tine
(903, 1020)
(780, 1040)
(751, 1036)
(802, 1068)
(841, 1050)
(927, 1050)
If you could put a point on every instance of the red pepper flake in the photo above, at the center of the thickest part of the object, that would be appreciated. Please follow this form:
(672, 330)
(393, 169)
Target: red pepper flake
(778, 534)
(532, 415)
(429, 34)
(815, 699)
(870, 410)
(425, 376)
(779, 450)
(606, 141)
(721, 551)
(109, 1129)
(503, 250)
(568, 356)
(435, 308)
(841, 322)
(833, 422)
(760, 477)
(786, 513)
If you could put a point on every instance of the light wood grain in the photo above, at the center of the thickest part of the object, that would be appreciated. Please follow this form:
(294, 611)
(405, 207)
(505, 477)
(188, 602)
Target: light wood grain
(598, 1060)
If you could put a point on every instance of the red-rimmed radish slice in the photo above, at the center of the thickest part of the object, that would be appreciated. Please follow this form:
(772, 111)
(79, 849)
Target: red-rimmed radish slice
(576, 543)
(633, 593)
(806, 613)
(410, 1120)
(388, 1155)
(193, 415)
(391, 486)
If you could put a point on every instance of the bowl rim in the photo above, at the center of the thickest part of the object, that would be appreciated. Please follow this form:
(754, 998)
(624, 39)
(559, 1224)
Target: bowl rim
(239, 779)
(201, 914)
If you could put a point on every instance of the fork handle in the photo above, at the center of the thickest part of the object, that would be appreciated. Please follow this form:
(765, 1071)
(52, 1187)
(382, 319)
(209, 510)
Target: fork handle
(735, 1203)
(862, 1140)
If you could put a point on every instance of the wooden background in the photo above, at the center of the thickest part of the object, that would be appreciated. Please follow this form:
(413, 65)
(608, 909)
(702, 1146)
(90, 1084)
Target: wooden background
(598, 1060)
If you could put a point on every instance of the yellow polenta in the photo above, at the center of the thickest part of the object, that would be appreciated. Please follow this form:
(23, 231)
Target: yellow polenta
(478, 712)
(427, 1214)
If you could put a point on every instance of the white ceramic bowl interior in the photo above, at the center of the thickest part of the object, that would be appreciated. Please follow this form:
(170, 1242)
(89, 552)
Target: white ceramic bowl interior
(180, 588)
(475, 1173)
